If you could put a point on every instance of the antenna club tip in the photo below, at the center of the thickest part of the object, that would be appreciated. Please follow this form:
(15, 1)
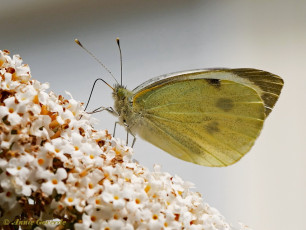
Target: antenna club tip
(77, 42)
(117, 40)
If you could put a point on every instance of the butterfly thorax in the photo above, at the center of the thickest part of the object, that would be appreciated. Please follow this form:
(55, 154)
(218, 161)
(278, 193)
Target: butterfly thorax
(124, 105)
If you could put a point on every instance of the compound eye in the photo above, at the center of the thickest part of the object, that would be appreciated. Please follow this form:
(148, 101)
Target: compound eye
(124, 120)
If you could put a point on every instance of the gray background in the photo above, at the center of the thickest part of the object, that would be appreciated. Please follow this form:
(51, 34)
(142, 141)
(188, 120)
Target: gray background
(267, 188)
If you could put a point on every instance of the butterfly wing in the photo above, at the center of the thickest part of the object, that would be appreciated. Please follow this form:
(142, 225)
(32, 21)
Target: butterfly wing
(202, 119)
(267, 85)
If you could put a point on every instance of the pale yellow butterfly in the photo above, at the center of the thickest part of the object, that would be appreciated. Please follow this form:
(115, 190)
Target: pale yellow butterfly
(208, 117)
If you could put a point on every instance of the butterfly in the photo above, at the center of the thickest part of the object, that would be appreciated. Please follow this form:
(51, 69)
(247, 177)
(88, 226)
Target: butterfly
(209, 117)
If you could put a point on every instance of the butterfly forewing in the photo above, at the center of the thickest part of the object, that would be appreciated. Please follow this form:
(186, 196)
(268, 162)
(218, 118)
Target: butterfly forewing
(207, 121)
(267, 85)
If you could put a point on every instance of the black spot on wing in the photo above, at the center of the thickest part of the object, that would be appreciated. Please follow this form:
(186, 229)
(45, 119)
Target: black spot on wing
(212, 127)
(225, 104)
(214, 82)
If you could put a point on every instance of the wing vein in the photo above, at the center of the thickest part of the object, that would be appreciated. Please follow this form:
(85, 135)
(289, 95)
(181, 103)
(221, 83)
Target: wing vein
(223, 114)
(221, 143)
(170, 136)
(191, 140)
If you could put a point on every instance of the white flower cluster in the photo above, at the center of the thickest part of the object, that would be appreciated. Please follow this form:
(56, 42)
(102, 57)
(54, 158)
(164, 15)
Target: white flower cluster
(53, 164)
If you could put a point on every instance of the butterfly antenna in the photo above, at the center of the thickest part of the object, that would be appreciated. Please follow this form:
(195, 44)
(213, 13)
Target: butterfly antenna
(118, 43)
(93, 86)
(91, 54)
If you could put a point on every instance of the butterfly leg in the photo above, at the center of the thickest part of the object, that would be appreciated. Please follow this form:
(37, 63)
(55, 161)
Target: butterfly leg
(129, 132)
(97, 110)
(134, 140)
(102, 108)
(117, 122)
(108, 109)
(127, 138)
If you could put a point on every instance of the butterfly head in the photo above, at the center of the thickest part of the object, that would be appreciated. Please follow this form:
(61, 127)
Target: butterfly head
(121, 93)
